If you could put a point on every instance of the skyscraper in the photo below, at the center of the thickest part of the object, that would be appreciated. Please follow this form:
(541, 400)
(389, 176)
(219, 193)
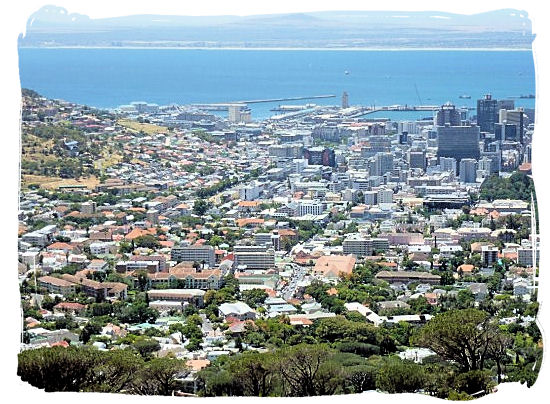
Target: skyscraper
(459, 142)
(487, 114)
(447, 114)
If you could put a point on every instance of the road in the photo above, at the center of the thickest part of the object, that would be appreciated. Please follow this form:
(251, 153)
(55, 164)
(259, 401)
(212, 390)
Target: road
(298, 273)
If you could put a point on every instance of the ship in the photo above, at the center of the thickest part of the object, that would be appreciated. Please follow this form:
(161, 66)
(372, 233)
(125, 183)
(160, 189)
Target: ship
(465, 96)
(529, 96)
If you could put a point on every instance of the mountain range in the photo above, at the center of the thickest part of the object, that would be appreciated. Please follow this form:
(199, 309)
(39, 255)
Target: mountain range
(53, 26)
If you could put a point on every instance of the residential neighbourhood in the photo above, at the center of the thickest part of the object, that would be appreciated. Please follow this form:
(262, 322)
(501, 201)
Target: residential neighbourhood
(177, 233)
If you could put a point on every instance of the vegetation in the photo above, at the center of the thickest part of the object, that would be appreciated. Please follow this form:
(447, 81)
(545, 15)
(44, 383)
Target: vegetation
(517, 186)
(87, 369)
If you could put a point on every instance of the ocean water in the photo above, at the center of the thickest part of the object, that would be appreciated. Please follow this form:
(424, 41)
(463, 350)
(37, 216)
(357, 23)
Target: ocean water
(107, 78)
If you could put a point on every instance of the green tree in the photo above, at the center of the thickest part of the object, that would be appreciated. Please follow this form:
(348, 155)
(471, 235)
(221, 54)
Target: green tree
(397, 376)
(200, 207)
(159, 376)
(254, 297)
(145, 346)
(462, 336)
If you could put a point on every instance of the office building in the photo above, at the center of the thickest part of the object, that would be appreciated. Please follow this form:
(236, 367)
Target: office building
(447, 115)
(468, 170)
(515, 117)
(383, 163)
(487, 114)
(506, 131)
(505, 104)
(198, 254)
(448, 164)
(357, 245)
(384, 196)
(254, 257)
(407, 127)
(496, 160)
(417, 159)
(370, 197)
(310, 208)
(459, 142)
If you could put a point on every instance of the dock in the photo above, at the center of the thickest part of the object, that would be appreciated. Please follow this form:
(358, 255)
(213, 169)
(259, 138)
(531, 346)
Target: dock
(222, 106)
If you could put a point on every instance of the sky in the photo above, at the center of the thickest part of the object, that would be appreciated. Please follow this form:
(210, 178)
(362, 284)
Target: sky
(14, 20)
(105, 8)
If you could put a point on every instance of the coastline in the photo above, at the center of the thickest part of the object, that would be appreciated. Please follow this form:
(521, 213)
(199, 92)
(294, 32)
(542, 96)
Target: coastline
(347, 49)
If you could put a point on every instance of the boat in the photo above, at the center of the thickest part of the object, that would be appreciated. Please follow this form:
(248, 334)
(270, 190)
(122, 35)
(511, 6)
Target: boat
(465, 96)
(346, 72)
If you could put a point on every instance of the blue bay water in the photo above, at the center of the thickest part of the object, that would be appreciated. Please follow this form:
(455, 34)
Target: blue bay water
(107, 78)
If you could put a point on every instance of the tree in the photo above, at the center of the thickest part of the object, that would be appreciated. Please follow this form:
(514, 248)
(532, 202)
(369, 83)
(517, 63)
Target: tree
(143, 280)
(88, 330)
(147, 241)
(463, 336)
(58, 368)
(159, 376)
(200, 207)
(397, 376)
(255, 373)
(474, 381)
(254, 297)
(498, 351)
(145, 346)
(116, 371)
(308, 371)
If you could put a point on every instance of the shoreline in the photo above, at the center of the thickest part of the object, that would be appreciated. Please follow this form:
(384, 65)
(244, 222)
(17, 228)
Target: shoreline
(347, 49)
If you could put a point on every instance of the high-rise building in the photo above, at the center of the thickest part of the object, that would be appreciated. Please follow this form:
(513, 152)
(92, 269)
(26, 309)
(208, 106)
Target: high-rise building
(505, 104)
(239, 113)
(489, 255)
(320, 156)
(345, 100)
(447, 114)
(487, 114)
(357, 245)
(370, 197)
(383, 163)
(484, 166)
(496, 160)
(506, 131)
(407, 126)
(384, 196)
(515, 117)
(194, 254)
(459, 142)
(250, 191)
(528, 154)
(448, 164)
(468, 169)
(417, 159)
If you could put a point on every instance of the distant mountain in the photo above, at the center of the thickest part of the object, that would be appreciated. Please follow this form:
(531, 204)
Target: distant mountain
(54, 26)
